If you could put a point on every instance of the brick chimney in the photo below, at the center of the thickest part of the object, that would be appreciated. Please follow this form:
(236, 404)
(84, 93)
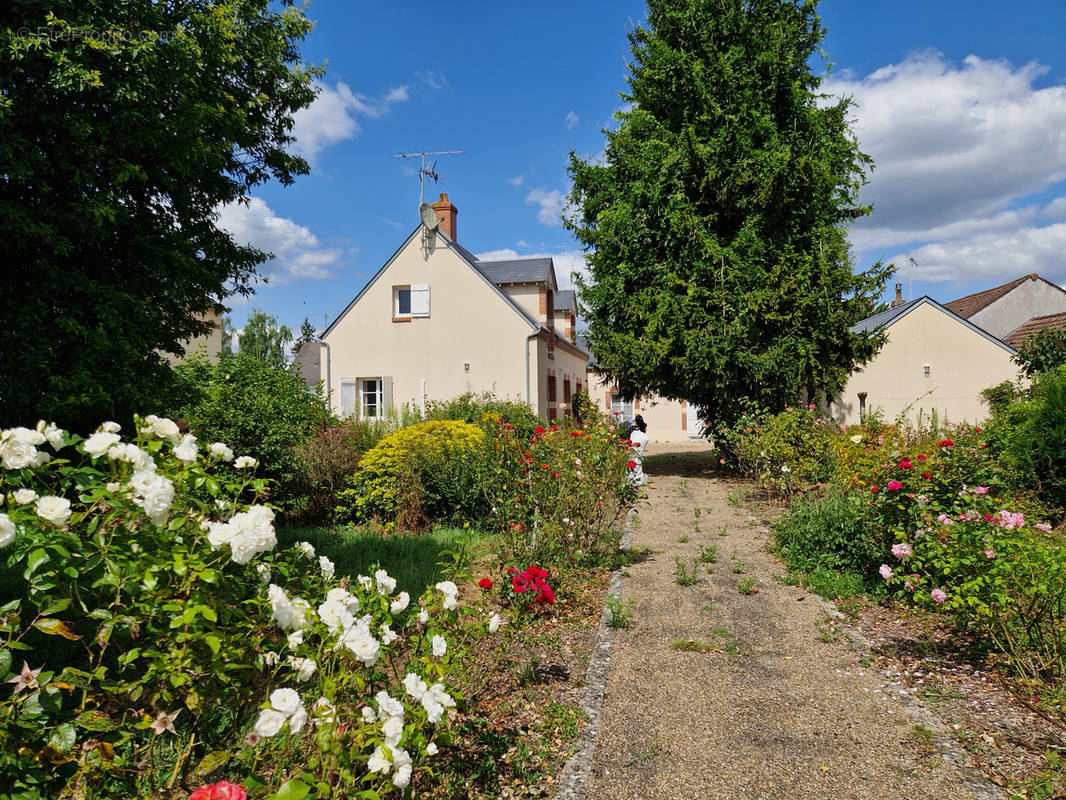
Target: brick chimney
(899, 296)
(446, 214)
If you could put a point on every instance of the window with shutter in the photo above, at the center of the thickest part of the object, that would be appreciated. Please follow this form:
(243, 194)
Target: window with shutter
(420, 300)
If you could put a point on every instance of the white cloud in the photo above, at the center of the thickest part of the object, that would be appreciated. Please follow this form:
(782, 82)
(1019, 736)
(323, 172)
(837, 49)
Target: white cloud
(333, 116)
(958, 152)
(572, 120)
(566, 263)
(432, 78)
(298, 253)
(551, 205)
(517, 180)
(521, 243)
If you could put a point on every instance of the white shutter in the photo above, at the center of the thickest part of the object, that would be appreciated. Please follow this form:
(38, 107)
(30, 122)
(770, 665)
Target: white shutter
(420, 300)
(386, 394)
(347, 396)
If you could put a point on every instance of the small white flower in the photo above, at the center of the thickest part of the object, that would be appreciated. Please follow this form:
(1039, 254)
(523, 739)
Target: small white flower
(54, 435)
(245, 462)
(326, 566)
(324, 710)
(107, 427)
(165, 429)
(450, 592)
(307, 549)
(54, 509)
(401, 765)
(219, 450)
(388, 706)
(24, 496)
(264, 572)
(113, 486)
(415, 686)
(423, 615)
(368, 714)
(440, 646)
(494, 623)
(378, 762)
(365, 581)
(295, 639)
(784, 468)
(270, 658)
(392, 731)
(298, 720)
(285, 700)
(401, 602)
(388, 635)
(186, 450)
(269, 722)
(386, 584)
(431, 749)
(7, 530)
(856, 438)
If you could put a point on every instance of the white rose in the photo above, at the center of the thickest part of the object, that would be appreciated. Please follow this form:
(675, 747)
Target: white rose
(54, 435)
(7, 530)
(306, 548)
(245, 462)
(378, 762)
(99, 443)
(295, 639)
(326, 566)
(494, 623)
(17, 447)
(166, 429)
(54, 509)
(415, 686)
(269, 722)
(401, 602)
(386, 585)
(285, 700)
(219, 450)
(305, 668)
(24, 496)
(298, 720)
(392, 731)
(440, 646)
(186, 449)
(388, 706)
(431, 749)
(107, 427)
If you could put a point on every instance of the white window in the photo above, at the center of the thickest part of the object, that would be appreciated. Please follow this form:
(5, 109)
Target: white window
(622, 407)
(375, 396)
(410, 301)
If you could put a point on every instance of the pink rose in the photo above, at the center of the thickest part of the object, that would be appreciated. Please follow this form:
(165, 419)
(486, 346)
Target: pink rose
(938, 596)
(223, 790)
(1043, 526)
(902, 550)
(886, 571)
(894, 486)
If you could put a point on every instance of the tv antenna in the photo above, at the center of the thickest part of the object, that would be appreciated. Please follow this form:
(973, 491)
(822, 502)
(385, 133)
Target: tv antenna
(425, 211)
(910, 277)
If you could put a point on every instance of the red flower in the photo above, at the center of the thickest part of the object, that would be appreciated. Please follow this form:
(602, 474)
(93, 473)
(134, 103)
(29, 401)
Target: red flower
(223, 790)
(512, 571)
(555, 474)
(894, 486)
(981, 447)
(873, 488)
(926, 475)
(631, 464)
(976, 430)
(519, 583)
(905, 465)
(577, 433)
(546, 596)
(921, 457)
(545, 466)
(554, 428)
(538, 429)
(485, 583)
(945, 443)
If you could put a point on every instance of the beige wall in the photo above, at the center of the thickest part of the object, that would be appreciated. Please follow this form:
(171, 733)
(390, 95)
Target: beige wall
(1033, 298)
(468, 323)
(565, 365)
(526, 296)
(668, 420)
(209, 345)
(961, 363)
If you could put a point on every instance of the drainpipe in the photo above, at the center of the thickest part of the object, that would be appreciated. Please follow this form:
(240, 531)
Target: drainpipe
(329, 377)
(528, 381)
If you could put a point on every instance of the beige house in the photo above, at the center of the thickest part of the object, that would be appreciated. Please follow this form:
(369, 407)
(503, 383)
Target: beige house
(436, 321)
(933, 359)
(1004, 309)
(209, 345)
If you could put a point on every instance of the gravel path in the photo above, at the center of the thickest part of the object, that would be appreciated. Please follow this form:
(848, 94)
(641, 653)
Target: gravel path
(769, 708)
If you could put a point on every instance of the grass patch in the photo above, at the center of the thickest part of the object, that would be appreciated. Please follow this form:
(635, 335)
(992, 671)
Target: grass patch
(723, 642)
(709, 553)
(619, 614)
(746, 586)
(412, 560)
(684, 575)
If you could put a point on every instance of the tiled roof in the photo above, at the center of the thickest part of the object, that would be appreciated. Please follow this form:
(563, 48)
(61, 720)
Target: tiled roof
(1035, 325)
(969, 305)
(518, 270)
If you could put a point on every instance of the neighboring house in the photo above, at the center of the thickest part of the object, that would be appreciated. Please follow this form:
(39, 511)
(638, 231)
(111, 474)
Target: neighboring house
(436, 321)
(1034, 326)
(668, 420)
(933, 359)
(209, 345)
(1002, 310)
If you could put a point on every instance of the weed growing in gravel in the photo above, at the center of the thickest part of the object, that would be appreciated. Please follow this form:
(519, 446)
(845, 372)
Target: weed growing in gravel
(709, 553)
(724, 643)
(683, 539)
(693, 646)
(685, 577)
(683, 489)
(723, 530)
(619, 614)
(654, 751)
(828, 630)
(708, 607)
(733, 499)
(696, 513)
(738, 565)
(747, 586)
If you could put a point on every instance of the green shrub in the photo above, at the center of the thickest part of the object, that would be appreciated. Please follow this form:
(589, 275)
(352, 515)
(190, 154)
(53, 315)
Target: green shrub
(1028, 436)
(787, 451)
(431, 471)
(262, 411)
(830, 532)
(485, 410)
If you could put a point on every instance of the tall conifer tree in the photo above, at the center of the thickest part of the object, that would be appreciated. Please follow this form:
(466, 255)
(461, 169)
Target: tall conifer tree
(716, 218)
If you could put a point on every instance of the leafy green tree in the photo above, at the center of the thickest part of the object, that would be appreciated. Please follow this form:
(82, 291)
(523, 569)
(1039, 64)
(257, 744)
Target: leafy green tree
(123, 128)
(716, 217)
(262, 338)
(1041, 352)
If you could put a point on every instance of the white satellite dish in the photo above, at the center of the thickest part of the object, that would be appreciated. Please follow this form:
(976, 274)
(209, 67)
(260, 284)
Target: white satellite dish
(428, 215)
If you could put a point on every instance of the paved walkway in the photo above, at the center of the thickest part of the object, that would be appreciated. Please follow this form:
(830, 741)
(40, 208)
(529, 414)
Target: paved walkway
(769, 708)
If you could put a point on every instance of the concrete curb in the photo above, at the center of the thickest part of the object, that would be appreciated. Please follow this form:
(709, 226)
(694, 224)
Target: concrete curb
(574, 778)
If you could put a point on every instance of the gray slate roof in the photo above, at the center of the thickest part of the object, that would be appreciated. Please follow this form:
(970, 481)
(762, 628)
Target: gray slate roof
(566, 298)
(518, 270)
(885, 318)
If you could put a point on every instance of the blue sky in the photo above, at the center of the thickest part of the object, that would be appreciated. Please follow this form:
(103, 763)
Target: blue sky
(962, 106)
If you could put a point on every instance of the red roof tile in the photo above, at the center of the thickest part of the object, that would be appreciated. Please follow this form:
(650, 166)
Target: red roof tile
(1035, 325)
(969, 305)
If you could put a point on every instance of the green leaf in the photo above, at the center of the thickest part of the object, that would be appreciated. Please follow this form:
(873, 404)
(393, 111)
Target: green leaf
(56, 607)
(63, 738)
(5, 661)
(57, 627)
(36, 558)
(214, 643)
(292, 790)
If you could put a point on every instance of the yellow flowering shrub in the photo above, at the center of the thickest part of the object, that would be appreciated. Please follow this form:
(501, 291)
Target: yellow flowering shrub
(434, 467)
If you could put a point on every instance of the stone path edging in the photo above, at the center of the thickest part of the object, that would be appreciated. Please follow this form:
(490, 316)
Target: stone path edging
(574, 778)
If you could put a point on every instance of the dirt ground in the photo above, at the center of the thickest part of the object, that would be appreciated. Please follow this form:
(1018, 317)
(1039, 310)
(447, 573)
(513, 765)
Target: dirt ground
(739, 686)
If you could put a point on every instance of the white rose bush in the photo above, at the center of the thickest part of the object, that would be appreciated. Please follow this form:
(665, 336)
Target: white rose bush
(157, 636)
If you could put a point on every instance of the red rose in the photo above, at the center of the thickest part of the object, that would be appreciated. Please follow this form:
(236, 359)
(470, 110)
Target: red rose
(538, 429)
(512, 571)
(976, 430)
(873, 488)
(921, 458)
(555, 474)
(905, 465)
(945, 443)
(518, 584)
(223, 790)
(631, 464)
(577, 433)
(926, 475)
(894, 486)
(485, 583)
(546, 597)
(554, 428)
